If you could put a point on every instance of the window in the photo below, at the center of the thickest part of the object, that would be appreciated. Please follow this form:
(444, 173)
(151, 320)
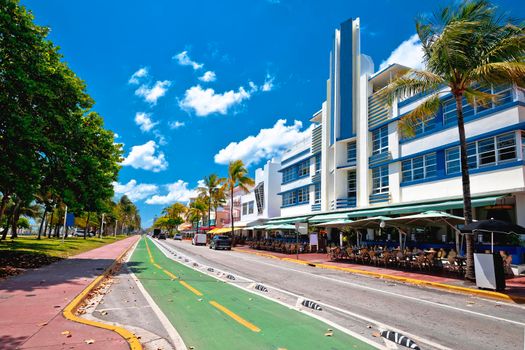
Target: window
(317, 192)
(423, 167)
(304, 168)
(288, 174)
(522, 145)
(244, 208)
(317, 163)
(380, 180)
(250, 207)
(425, 125)
(503, 93)
(489, 151)
(351, 153)
(352, 184)
(303, 195)
(289, 198)
(380, 140)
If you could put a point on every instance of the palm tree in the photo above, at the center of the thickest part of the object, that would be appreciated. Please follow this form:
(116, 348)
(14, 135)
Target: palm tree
(197, 209)
(466, 49)
(210, 190)
(237, 176)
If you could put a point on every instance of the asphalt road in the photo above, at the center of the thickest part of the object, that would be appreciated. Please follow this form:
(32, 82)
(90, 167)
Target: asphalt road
(210, 313)
(435, 319)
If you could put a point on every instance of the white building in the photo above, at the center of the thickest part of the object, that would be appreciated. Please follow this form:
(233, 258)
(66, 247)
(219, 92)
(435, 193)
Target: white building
(358, 163)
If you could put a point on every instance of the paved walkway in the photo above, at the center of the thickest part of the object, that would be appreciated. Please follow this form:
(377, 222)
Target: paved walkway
(515, 286)
(31, 304)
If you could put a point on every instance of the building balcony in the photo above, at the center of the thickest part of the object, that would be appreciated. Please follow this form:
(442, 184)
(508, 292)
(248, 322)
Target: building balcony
(377, 159)
(342, 203)
(379, 198)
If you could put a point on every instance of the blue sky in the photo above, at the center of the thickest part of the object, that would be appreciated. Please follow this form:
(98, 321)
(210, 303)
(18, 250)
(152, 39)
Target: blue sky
(184, 84)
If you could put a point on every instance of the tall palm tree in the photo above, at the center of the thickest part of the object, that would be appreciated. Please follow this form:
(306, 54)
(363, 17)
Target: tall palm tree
(197, 209)
(210, 191)
(237, 176)
(466, 48)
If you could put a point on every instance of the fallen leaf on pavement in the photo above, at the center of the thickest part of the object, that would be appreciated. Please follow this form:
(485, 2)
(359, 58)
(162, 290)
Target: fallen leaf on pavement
(376, 334)
(42, 324)
(65, 332)
(328, 334)
(89, 341)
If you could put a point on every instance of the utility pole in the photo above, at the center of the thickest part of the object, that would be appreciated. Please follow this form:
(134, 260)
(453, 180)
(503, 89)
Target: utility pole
(102, 226)
(116, 224)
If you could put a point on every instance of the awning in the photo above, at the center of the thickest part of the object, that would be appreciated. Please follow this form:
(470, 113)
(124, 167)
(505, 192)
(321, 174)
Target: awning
(288, 220)
(238, 225)
(280, 227)
(372, 222)
(327, 217)
(418, 208)
(335, 223)
(428, 217)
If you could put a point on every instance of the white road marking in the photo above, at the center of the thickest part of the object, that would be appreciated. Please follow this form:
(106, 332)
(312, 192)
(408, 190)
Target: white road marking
(172, 332)
(379, 325)
(392, 293)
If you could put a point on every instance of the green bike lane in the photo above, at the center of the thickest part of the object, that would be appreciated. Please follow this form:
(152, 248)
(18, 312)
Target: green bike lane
(211, 314)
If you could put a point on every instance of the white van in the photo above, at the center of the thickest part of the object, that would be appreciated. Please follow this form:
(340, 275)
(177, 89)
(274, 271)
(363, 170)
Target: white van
(199, 239)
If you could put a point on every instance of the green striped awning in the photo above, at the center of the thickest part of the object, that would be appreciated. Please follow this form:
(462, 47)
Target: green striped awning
(418, 208)
(291, 220)
(327, 217)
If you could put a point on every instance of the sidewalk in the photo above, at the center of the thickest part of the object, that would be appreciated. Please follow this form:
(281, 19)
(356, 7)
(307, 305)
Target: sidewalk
(515, 290)
(31, 304)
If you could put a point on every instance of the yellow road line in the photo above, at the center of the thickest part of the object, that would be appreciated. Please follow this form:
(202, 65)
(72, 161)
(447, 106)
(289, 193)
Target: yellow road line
(195, 291)
(236, 317)
(157, 266)
(169, 274)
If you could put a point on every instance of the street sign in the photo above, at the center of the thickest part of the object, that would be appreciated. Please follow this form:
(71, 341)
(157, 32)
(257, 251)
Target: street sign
(70, 219)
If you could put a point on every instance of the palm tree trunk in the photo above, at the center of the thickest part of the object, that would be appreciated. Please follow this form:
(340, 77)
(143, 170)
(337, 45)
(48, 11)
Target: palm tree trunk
(209, 211)
(467, 200)
(51, 223)
(87, 224)
(14, 221)
(42, 222)
(231, 211)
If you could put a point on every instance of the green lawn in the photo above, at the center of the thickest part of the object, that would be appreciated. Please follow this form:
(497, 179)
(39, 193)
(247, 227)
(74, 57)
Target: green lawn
(29, 252)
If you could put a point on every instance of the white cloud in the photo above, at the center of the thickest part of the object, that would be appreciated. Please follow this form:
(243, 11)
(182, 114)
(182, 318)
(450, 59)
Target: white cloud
(176, 124)
(177, 192)
(143, 120)
(409, 53)
(115, 135)
(206, 101)
(184, 60)
(266, 144)
(208, 76)
(141, 73)
(268, 83)
(144, 157)
(152, 94)
(135, 191)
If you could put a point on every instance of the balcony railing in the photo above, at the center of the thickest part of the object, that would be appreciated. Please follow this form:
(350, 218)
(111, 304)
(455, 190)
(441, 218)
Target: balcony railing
(316, 207)
(341, 203)
(379, 158)
(379, 198)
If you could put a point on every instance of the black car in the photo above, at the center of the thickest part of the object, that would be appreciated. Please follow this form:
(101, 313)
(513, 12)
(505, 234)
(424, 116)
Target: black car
(221, 242)
(162, 235)
(156, 233)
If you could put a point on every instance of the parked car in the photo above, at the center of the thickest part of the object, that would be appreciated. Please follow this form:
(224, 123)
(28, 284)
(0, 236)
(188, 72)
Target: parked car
(199, 239)
(162, 235)
(221, 242)
(80, 233)
(178, 237)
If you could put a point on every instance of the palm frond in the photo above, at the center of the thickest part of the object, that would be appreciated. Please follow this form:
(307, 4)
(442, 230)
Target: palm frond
(479, 98)
(421, 114)
(500, 73)
(409, 84)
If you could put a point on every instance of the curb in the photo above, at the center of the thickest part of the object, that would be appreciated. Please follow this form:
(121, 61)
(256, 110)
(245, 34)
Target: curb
(413, 281)
(69, 310)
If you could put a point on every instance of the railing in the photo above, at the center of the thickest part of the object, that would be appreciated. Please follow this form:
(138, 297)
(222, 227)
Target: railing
(379, 198)
(340, 203)
(379, 158)
(316, 177)
(316, 207)
(317, 135)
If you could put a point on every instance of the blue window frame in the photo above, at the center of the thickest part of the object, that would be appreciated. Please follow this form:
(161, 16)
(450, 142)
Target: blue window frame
(317, 163)
(418, 168)
(351, 180)
(304, 168)
(317, 193)
(380, 140)
(297, 196)
(351, 152)
(297, 171)
(288, 174)
(303, 195)
(380, 180)
(425, 125)
(503, 93)
(289, 198)
(486, 152)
